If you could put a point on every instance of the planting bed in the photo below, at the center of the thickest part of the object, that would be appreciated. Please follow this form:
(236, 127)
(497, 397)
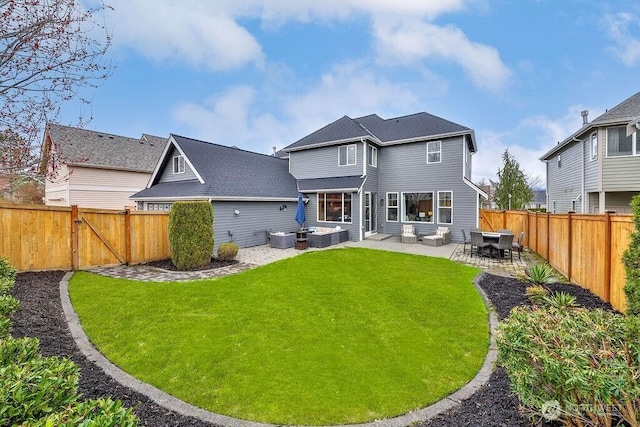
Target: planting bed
(40, 315)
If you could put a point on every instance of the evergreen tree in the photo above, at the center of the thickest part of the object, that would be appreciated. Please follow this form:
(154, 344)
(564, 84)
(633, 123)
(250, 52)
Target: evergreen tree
(512, 190)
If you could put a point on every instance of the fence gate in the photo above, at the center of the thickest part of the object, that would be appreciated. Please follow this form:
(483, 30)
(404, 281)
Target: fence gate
(99, 237)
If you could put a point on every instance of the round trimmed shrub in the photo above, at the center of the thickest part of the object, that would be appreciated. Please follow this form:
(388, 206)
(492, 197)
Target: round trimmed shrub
(191, 234)
(227, 251)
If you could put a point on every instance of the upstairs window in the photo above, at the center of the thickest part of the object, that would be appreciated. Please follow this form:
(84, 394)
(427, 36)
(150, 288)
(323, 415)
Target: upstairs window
(594, 146)
(619, 144)
(178, 164)
(347, 155)
(372, 156)
(434, 152)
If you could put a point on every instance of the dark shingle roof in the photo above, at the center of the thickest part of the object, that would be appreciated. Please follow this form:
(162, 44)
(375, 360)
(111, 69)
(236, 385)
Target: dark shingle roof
(627, 110)
(82, 147)
(227, 172)
(334, 183)
(419, 125)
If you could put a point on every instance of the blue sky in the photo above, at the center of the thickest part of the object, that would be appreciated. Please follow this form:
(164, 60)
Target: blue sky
(264, 73)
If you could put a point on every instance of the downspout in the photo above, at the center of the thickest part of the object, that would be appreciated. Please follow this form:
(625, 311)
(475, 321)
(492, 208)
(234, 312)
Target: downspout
(581, 174)
(360, 192)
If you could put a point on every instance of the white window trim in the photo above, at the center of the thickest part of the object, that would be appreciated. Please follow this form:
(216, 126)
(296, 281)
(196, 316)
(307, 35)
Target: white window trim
(634, 147)
(325, 209)
(180, 163)
(403, 208)
(446, 207)
(387, 207)
(355, 155)
(370, 157)
(433, 152)
(559, 161)
(594, 155)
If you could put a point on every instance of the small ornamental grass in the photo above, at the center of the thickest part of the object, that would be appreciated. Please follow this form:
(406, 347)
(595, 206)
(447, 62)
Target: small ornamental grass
(579, 366)
(329, 337)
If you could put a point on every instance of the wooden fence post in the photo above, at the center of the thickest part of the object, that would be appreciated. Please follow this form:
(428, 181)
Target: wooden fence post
(607, 256)
(127, 236)
(504, 219)
(569, 245)
(75, 256)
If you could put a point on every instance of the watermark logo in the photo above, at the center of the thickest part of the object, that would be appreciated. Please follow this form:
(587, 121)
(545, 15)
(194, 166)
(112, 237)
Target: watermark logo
(551, 410)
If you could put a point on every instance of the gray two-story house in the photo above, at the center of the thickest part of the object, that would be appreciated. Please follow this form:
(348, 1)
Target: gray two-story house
(366, 175)
(597, 168)
(371, 175)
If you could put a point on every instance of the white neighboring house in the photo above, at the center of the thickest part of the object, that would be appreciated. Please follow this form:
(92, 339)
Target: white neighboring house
(94, 169)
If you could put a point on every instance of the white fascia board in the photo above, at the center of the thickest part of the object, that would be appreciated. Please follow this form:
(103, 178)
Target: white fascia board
(336, 142)
(171, 142)
(218, 199)
(426, 138)
(475, 188)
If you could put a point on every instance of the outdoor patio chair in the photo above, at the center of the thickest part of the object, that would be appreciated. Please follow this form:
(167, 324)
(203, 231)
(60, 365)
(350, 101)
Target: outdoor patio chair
(465, 241)
(409, 234)
(478, 241)
(505, 242)
(517, 245)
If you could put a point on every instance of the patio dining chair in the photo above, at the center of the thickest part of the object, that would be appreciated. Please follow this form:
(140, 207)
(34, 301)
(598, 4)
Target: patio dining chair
(517, 245)
(505, 242)
(465, 241)
(478, 241)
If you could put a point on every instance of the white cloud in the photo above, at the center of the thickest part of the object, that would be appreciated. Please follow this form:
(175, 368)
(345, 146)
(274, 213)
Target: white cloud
(410, 40)
(235, 118)
(187, 31)
(618, 28)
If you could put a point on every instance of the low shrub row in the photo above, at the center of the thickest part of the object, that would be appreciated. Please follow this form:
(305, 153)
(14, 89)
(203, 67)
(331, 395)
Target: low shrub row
(43, 391)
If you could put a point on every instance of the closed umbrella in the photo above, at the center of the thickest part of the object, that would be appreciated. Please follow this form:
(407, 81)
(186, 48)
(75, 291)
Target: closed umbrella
(300, 216)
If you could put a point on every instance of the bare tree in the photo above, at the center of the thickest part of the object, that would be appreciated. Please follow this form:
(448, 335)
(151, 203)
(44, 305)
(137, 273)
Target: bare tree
(51, 51)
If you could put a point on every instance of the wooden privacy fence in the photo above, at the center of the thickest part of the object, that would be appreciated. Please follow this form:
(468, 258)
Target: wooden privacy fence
(71, 238)
(587, 249)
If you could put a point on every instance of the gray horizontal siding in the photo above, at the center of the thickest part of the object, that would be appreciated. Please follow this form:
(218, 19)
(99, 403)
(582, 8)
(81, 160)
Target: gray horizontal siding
(564, 184)
(166, 173)
(322, 163)
(403, 168)
(255, 221)
(621, 173)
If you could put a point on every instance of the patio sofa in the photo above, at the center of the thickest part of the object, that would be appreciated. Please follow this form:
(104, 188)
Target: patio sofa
(321, 237)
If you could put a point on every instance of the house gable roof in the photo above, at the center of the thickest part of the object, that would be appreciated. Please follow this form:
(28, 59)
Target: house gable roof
(81, 147)
(623, 113)
(383, 131)
(223, 173)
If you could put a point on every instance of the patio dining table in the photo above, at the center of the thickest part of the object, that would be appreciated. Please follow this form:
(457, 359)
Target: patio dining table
(494, 237)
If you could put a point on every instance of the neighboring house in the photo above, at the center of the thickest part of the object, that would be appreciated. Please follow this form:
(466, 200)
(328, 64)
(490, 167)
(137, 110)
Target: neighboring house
(365, 175)
(252, 194)
(597, 168)
(371, 175)
(95, 169)
(539, 200)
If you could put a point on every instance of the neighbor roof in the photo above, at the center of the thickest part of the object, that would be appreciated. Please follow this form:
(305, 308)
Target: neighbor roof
(623, 113)
(382, 131)
(81, 147)
(226, 173)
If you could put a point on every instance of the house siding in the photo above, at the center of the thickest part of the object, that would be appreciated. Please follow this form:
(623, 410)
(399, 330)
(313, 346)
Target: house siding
(620, 202)
(564, 184)
(403, 168)
(621, 173)
(591, 182)
(323, 162)
(254, 223)
(166, 174)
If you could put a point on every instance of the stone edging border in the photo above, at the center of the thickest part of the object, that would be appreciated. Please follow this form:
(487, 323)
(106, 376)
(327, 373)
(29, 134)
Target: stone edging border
(174, 404)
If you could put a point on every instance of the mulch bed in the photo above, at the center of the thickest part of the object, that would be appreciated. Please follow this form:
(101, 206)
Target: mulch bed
(40, 315)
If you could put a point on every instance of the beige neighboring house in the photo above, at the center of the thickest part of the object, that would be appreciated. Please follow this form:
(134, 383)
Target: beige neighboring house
(95, 169)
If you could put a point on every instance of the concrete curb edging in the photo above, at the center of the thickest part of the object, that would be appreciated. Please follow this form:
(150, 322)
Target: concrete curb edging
(174, 404)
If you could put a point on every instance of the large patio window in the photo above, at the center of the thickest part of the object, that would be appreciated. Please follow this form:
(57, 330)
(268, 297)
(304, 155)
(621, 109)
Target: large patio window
(334, 207)
(392, 206)
(445, 207)
(417, 207)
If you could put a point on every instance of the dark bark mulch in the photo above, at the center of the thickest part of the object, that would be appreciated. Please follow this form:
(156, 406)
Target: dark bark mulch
(40, 315)
(214, 263)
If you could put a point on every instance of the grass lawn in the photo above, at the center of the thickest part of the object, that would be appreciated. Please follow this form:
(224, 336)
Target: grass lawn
(328, 337)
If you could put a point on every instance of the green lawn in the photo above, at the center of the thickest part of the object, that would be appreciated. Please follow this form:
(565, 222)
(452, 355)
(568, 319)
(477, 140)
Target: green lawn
(328, 337)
